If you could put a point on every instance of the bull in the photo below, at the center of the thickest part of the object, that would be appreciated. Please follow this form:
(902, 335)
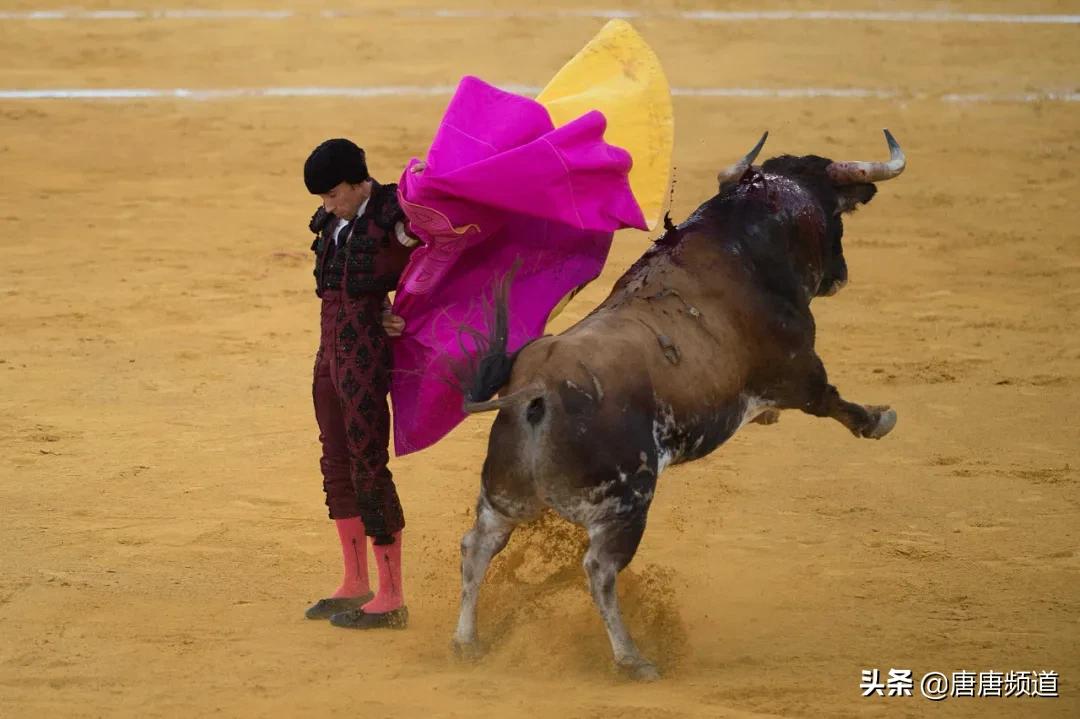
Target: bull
(709, 330)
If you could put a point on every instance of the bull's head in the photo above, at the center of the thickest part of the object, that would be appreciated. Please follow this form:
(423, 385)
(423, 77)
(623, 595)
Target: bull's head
(838, 187)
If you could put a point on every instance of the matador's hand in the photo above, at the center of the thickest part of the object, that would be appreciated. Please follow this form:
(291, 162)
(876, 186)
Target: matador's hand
(393, 324)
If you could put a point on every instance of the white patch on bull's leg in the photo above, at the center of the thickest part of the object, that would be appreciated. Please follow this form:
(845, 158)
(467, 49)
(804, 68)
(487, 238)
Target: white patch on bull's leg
(675, 440)
(602, 567)
(601, 503)
(664, 429)
(514, 506)
(488, 536)
(591, 505)
(663, 459)
(643, 467)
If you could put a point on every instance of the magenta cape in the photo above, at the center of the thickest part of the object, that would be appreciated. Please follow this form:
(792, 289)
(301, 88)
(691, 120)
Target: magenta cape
(502, 185)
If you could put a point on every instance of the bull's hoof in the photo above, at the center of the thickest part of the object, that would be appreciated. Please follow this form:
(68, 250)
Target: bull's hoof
(885, 423)
(640, 670)
(468, 651)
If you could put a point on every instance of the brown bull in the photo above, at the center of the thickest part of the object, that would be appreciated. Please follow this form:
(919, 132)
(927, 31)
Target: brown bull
(709, 330)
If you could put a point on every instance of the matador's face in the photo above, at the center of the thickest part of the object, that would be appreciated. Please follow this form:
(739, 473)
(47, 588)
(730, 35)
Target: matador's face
(345, 199)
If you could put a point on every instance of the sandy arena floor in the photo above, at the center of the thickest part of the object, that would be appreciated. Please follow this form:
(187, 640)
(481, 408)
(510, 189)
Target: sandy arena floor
(163, 526)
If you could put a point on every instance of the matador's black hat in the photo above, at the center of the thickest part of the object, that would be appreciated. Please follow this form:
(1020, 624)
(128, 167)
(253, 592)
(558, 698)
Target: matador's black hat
(333, 162)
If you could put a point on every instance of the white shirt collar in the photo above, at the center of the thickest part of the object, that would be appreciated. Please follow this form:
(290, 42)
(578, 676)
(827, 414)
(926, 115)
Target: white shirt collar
(341, 223)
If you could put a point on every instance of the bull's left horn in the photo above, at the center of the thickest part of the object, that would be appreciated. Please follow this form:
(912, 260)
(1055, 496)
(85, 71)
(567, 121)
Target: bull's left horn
(736, 171)
(854, 173)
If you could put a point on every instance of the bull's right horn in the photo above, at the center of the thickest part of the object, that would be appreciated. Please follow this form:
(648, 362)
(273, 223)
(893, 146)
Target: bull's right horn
(854, 173)
(736, 171)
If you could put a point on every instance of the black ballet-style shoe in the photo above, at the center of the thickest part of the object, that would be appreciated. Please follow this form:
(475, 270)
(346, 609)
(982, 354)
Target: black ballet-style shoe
(328, 607)
(359, 619)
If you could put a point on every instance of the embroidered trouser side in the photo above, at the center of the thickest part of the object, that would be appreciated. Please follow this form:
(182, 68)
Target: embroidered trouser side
(351, 383)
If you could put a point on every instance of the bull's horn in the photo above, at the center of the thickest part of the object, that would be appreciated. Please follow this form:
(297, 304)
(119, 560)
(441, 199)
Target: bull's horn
(733, 173)
(853, 173)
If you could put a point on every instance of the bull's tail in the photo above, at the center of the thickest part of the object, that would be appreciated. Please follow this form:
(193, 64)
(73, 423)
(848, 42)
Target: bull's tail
(487, 367)
(530, 394)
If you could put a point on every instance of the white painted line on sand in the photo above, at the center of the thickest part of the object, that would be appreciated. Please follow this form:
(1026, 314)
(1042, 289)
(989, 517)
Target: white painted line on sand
(731, 16)
(785, 92)
(406, 91)
(881, 16)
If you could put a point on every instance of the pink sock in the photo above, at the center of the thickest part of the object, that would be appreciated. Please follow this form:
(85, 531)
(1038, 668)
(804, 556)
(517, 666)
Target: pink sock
(354, 557)
(388, 560)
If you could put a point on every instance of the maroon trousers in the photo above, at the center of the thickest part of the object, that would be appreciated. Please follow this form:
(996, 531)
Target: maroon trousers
(351, 383)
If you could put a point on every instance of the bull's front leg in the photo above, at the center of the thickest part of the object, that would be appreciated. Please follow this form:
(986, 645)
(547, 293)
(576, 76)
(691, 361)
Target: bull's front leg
(811, 392)
(870, 421)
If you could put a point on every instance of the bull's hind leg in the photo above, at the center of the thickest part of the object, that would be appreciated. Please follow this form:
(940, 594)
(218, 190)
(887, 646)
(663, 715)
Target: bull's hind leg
(812, 393)
(612, 544)
(489, 535)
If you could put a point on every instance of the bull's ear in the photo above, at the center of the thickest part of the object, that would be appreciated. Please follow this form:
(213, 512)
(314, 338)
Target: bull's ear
(849, 197)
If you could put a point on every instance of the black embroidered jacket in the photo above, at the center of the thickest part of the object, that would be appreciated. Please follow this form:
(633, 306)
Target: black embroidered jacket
(370, 260)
